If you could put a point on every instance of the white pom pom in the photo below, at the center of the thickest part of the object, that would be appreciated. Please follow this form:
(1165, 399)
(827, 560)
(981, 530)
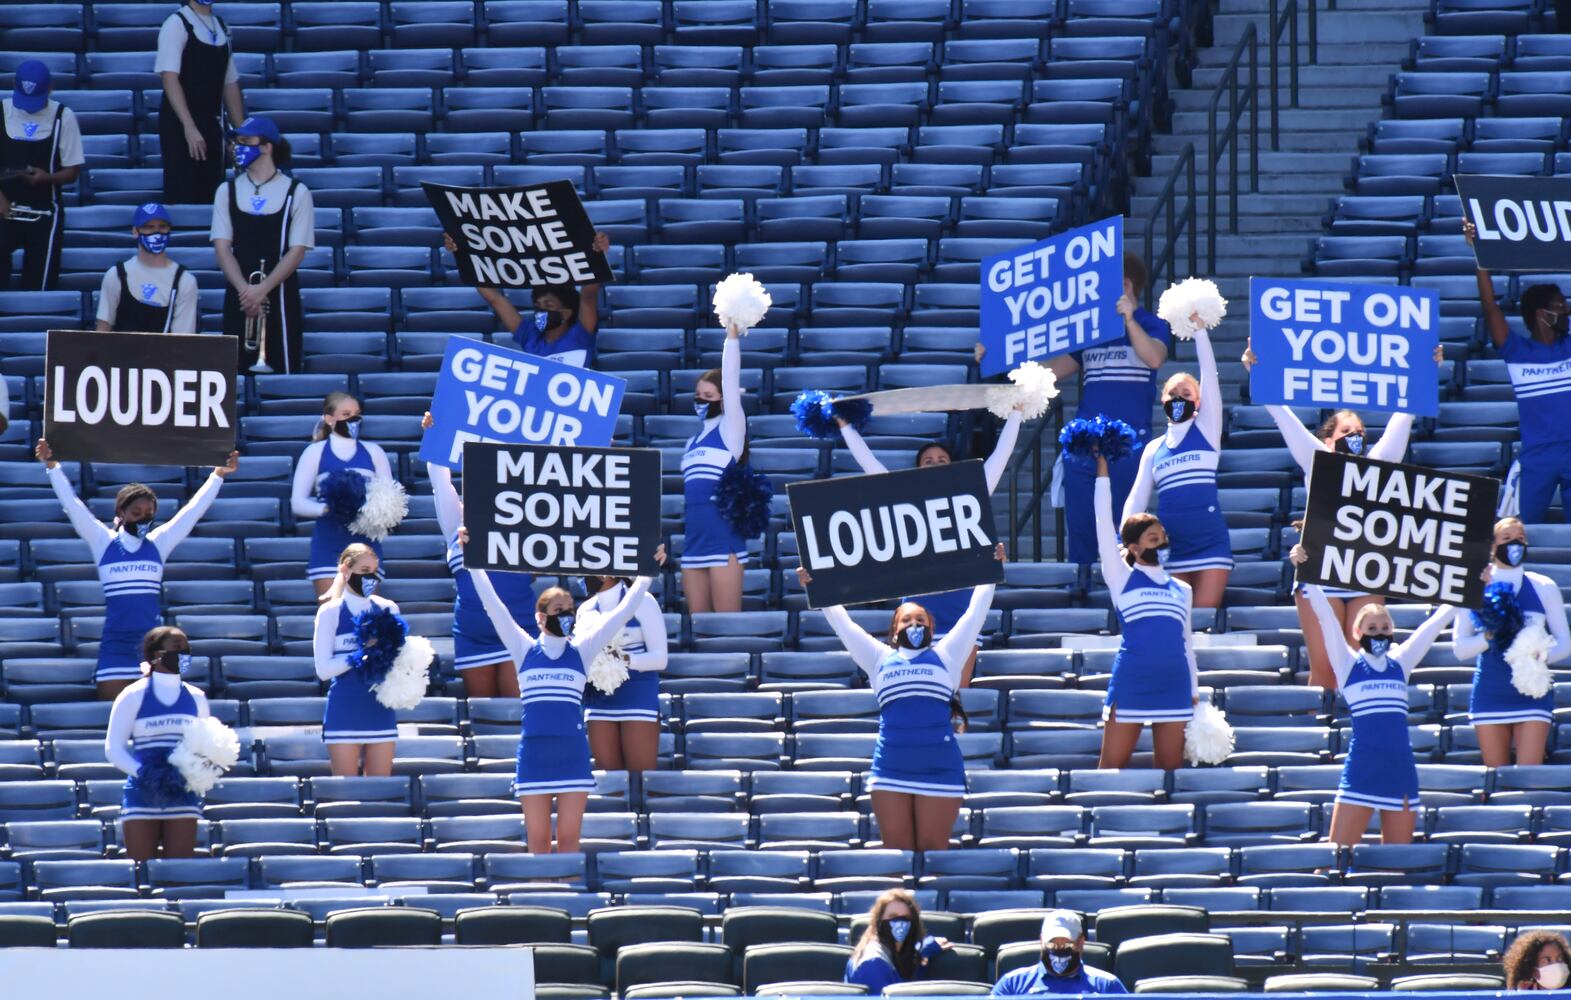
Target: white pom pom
(608, 671)
(1208, 738)
(204, 753)
(384, 508)
(740, 300)
(407, 678)
(1528, 658)
(1191, 299)
(1034, 387)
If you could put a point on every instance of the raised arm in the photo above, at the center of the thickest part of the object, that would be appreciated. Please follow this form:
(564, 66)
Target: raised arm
(174, 531)
(866, 652)
(615, 620)
(955, 647)
(589, 294)
(859, 450)
(1417, 645)
(998, 462)
(94, 532)
(1296, 436)
(1337, 649)
(1115, 572)
(1139, 499)
(1392, 446)
(1494, 319)
(514, 638)
(302, 497)
(324, 639)
(733, 420)
(1554, 618)
(117, 738)
(652, 623)
(449, 509)
(1209, 418)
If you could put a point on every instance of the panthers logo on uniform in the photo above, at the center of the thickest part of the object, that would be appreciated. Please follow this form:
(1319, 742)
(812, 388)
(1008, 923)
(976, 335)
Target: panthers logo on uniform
(258, 202)
(149, 291)
(29, 129)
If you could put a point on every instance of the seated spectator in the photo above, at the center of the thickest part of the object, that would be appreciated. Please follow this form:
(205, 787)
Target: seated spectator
(1537, 960)
(1060, 970)
(149, 293)
(893, 948)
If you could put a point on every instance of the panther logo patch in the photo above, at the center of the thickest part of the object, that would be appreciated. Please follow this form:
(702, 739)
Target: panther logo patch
(149, 291)
(258, 202)
(29, 129)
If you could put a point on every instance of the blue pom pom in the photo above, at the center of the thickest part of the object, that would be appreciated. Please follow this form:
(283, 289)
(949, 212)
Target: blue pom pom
(856, 412)
(1118, 440)
(344, 493)
(379, 635)
(159, 783)
(1501, 614)
(1081, 439)
(811, 409)
(742, 497)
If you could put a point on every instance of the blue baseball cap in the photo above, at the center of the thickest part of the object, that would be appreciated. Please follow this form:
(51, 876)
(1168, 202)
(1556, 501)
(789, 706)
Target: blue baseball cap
(260, 126)
(31, 91)
(148, 212)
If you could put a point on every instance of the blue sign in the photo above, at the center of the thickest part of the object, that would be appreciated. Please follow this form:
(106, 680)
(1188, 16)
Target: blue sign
(1331, 344)
(501, 396)
(1052, 297)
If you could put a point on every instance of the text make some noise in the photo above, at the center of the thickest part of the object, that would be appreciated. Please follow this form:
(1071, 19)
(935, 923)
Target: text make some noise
(581, 524)
(1034, 290)
(139, 397)
(524, 223)
(1317, 350)
(888, 532)
(1419, 519)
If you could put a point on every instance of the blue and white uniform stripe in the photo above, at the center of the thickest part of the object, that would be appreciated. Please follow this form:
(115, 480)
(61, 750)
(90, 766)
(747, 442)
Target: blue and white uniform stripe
(1151, 679)
(1187, 503)
(553, 750)
(157, 730)
(710, 540)
(1379, 771)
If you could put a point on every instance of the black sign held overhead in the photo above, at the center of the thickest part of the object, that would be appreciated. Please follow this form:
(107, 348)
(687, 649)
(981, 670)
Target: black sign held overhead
(520, 237)
(1522, 223)
(918, 531)
(1406, 532)
(544, 509)
(150, 398)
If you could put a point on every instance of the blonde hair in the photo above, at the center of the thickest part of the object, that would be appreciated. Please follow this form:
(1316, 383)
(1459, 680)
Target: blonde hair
(1507, 522)
(347, 558)
(1370, 609)
(331, 402)
(1178, 379)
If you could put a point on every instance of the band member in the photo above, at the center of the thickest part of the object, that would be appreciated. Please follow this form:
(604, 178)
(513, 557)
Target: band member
(263, 224)
(40, 152)
(196, 64)
(148, 293)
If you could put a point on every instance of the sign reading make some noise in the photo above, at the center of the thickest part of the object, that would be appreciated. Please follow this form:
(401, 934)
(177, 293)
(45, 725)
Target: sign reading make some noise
(1521, 223)
(562, 510)
(1406, 532)
(916, 531)
(1052, 297)
(112, 397)
(1331, 344)
(520, 237)
(490, 393)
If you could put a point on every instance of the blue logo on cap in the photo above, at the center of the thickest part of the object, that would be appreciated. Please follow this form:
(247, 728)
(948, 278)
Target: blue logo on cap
(150, 207)
(149, 291)
(28, 87)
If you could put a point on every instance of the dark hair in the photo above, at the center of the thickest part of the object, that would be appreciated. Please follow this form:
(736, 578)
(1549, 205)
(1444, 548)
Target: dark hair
(904, 955)
(1534, 298)
(566, 293)
(1328, 425)
(130, 493)
(941, 446)
(624, 581)
(894, 618)
(283, 153)
(957, 713)
(1134, 526)
(330, 402)
(1135, 271)
(155, 638)
(1520, 961)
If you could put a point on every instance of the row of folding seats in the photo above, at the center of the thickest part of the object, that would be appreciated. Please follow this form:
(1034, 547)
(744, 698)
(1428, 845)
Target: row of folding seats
(1454, 53)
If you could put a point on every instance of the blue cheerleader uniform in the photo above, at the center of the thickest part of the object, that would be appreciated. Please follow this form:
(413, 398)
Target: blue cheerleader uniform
(1495, 700)
(475, 643)
(353, 715)
(330, 536)
(1379, 771)
(1188, 505)
(553, 747)
(576, 346)
(637, 699)
(157, 730)
(710, 539)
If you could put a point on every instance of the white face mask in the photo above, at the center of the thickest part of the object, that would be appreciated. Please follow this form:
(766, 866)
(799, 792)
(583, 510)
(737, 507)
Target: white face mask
(1553, 976)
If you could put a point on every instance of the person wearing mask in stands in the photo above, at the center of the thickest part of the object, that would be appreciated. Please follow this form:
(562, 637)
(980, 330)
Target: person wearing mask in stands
(715, 552)
(149, 293)
(1060, 970)
(263, 220)
(1537, 960)
(335, 446)
(624, 725)
(565, 319)
(360, 731)
(196, 64)
(893, 949)
(146, 722)
(1539, 365)
(130, 555)
(40, 153)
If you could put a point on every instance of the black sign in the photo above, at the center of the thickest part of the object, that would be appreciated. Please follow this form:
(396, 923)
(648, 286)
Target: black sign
(152, 398)
(540, 509)
(1523, 223)
(917, 531)
(1406, 532)
(520, 237)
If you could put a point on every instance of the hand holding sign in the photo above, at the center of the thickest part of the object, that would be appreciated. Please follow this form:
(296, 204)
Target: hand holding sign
(520, 237)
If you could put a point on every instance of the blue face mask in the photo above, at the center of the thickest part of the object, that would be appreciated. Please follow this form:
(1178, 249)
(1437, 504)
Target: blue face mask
(1375, 645)
(543, 319)
(701, 407)
(153, 242)
(1060, 961)
(246, 155)
(899, 930)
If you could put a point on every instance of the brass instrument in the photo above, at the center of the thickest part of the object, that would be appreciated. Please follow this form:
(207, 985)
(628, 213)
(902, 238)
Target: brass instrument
(27, 213)
(256, 326)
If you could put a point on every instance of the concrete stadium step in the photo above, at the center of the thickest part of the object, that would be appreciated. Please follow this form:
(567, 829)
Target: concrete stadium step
(1254, 245)
(1305, 227)
(1341, 121)
(1288, 141)
(1285, 182)
(1308, 97)
(1270, 162)
(1263, 7)
(1353, 54)
(1310, 75)
(1264, 204)
(1400, 24)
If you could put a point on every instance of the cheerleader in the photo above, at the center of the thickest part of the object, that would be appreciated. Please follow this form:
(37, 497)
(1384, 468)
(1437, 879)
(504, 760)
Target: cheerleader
(1155, 678)
(918, 778)
(947, 607)
(1180, 466)
(146, 722)
(1501, 714)
(130, 554)
(1379, 774)
(624, 726)
(359, 730)
(478, 655)
(714, 552)
(335, 446)
(553, 752)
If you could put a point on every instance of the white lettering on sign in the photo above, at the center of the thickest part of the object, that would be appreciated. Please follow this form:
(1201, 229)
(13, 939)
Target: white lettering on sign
(139, 397)
(894, 531)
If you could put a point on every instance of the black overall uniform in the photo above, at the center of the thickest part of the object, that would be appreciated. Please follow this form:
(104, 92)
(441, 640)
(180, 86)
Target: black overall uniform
(260, 241)
(40, 241)
(202, 70)
(134, 316)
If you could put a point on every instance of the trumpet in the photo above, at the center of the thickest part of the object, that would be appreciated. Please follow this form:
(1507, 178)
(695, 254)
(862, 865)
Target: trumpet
(27, 213)
(256, 326)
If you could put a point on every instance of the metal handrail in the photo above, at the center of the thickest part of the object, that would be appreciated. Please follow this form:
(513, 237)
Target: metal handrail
(1041, 483)
(1228, 143)
(1163, 264)
(1288, 20)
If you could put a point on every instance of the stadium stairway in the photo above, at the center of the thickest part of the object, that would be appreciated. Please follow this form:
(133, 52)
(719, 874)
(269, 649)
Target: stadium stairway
(1361, 43)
